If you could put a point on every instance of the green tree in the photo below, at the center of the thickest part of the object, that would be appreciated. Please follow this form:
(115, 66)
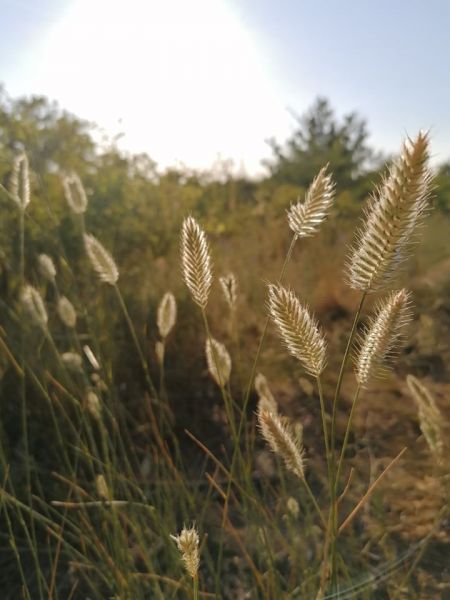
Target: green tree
(320, 138)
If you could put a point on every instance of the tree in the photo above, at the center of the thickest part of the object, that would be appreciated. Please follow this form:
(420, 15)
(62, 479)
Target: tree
(319, 138)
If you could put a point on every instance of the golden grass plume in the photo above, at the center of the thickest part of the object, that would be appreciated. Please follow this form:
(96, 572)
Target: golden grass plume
(196, 261)
(167, 314)
(101, 260)
(34, 306)
(75, 194)
(19, 183)
(283, 440)
(298, 329)
(188, 544)
(219, 361)
(66, 312)
(47, 267)
(304, 218)
(382, 337)
(430, 417)
(391, 219)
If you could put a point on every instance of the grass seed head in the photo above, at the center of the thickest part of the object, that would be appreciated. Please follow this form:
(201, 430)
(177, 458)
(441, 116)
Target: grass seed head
(47, 267)
(187, 543)
(392, 218)
(34, 306)
(298, 329)
(219, 362)
(430, 417)
(382, 337)
(266, 399)
(196, 261)
(93, 405)
(72, 360)
(75, 194)
(281, 438)
(229, 289)
(167, 314)
(67, 312)
(101, 260)
(19, 184)
(304, 218)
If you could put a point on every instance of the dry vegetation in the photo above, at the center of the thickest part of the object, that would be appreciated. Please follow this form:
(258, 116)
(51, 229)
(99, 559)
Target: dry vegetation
(301, 476)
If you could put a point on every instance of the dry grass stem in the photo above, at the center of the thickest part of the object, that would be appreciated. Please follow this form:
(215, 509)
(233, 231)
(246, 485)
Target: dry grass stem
(167, 314)
(298, 329)
(391, 219)
(101, 260)
(91, 357)
(219, 362)
(305, 217)
(196, 261)
(283, 440)
(382, 337)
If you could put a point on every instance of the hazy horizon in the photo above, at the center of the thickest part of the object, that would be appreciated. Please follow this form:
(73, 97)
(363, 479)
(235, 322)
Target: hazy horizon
(217, 78)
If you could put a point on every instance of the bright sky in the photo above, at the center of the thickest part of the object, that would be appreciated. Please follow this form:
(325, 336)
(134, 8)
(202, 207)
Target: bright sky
(188, 81)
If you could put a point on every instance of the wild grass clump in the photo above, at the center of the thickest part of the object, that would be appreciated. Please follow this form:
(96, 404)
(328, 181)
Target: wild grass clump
(282, 508)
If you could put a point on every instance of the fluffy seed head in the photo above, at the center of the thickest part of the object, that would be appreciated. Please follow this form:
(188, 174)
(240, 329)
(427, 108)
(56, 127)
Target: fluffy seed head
(219, 362)
(167, 314)
(298, 329)
(266, 399)
(187, 543)
(430, 417)
(74, 192)
(72, 360)
(196, 261)
(391, 219)
(19, 184)
(229, 288)
(304, 218)
(67, 312)
(101, 260)
(93, 405)
(293, 507)
(281, 438)
(382, 337)
(34, 306)
(47, 267)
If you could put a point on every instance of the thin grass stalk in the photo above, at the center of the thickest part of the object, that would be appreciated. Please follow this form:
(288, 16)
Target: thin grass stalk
(334, 476)
(132, 330)
(226, 399)
(334, 506)
(243, 418)
(195, 588)
(24, 417)
(325, 430)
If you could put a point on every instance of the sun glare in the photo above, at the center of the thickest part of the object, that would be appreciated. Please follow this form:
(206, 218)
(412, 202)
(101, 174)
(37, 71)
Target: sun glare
(183, 81)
